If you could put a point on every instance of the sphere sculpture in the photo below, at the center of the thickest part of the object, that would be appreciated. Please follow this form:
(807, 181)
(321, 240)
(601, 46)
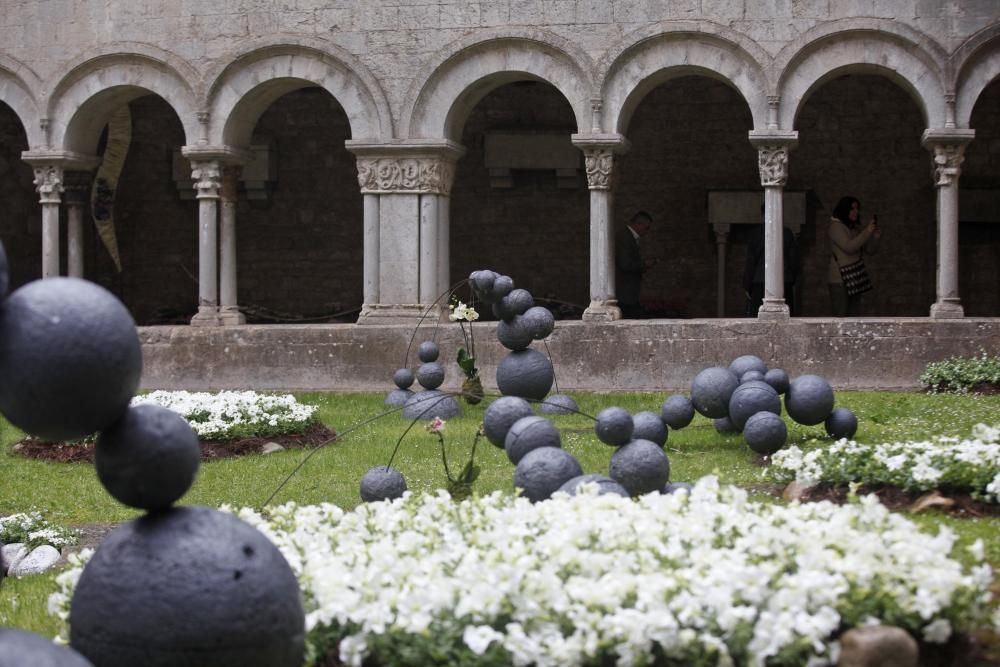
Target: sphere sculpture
(20, 649)
(640, 466)
(58, 384)
(403, 379)
(747, 362)
(4, 274)
(542, 471)
(539, 321)
(513, 334)
(501, 415)
(711, 391)
(751, 398)
(809, 399)
(558, 404)
(778, 379)
(765, 433)
(517, 302)
(482, 283)
(502, 286)
(614, 426)
(673, 487)
(526, 373)
(842, 423)
(529, 433)
(649, 426)
(428, 351)
(430, 375)
(429, 404)
(724, 425)
(605, 485)
(750, 376)
(147, 459)
(188, 586)
(677, 411)
(382, 483)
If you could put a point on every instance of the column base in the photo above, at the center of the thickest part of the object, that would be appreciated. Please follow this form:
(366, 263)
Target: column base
(207, 316)
(230, 316)
(602, 311)
(947, 309)
(773, 310)
(400, 313)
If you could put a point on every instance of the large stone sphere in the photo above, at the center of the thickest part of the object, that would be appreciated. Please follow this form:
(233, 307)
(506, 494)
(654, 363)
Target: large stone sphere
(428, 351)
(25, 649)
(724, 425)
(778, 379)
(539, 321)
(482, 283)
(382, 483)
(558, 404)
(527, 373)
(640, 466)
(513, 334)
(398, 397)
(765, 433)
(809, 399)
(542, 471)
(188, 586)
(605, 485)
(403, 378)
(677, 411)
(529, 433)
(70, 358)
(4, 274)
(430, 404)
(711, 391)
(430, 375)
(502, 286)
(501, 414)
(842, 423)
(614, 426)
(649, 426)
(147, 459)
(751, 398)
(748, 362)
(515, 303)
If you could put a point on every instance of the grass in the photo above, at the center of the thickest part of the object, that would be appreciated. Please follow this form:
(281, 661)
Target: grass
(69, 494)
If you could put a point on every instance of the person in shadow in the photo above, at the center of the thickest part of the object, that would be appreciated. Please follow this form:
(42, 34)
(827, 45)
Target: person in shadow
(753, 271)
(850, 240)
(630, 265)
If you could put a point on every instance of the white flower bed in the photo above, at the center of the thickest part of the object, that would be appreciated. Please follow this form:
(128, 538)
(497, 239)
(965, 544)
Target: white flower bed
(971, 465)
(33, 530)
(234, 414)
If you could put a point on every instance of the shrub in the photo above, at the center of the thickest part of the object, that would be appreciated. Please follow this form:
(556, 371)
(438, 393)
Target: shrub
(961, 373)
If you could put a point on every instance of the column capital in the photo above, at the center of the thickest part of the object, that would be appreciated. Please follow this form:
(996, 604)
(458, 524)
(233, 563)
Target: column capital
(207, 177)
(772, 154)
(415, 166)
(948, 146)
(599, 152)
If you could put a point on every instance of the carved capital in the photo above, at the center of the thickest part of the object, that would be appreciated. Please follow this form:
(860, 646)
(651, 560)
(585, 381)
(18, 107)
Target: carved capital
(599, 164)
(405, 175)
(948, 159)
(49, 183)
(773, 164)
(207, 177)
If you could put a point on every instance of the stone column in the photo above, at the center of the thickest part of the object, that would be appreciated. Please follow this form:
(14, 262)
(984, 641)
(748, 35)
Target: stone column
(49, 186)
(207, 177)
(721, 241)
(948, 146)
(371, 253)
(77, 188)
(229, 311)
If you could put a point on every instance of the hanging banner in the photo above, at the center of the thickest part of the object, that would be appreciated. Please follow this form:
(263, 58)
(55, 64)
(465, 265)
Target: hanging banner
(102, 196)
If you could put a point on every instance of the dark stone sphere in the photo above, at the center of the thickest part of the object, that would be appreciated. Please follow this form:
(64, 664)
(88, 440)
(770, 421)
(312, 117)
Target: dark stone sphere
(749, 399)
(502, 286)
(750, 376)
(529, 433)
(430, 404)
(403, 378)
(539, 321)
(724, 425)
(501, 415)
(430, 375)
(649, 426)
(513, 334)
(766, 433)
(482, 282)
(382, 483)
(527, 373)
(614, 426)
(25, 649)
(677, 411)
(673, 487)
(398, 397)
(148, 458)
(842, 423)
(605, 485)
(70, 358)
(188, 586)
(542, 471)
(778, 379)
(641, 467)
(4, 274)
(558, 404)
(515, 303)
(711, 390)
(747, 362)
(428, 351)
(809, 400)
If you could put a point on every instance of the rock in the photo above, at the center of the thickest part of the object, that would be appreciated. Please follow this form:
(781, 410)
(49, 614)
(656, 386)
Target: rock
(527, 373)
(649, 426)
(24, 649)
(39, 560)
(271, 448)
(641, 467)
(529, 433)
(747, 362)
(542, 471)
(809, 400)
(605, 485)
(842, 423)
(430, 404)
(932, 500)
(677, 411)
(558, 404)
(403, 378)
(398, 397)
(500, 415)
(614, 426)
(382, 483)
(428, 351)
(430, 375)
(797, 490)
(711, 391)
(12, 553)
(878, 646)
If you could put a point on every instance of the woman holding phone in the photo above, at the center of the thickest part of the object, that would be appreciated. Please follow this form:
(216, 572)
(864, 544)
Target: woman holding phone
(849, 241)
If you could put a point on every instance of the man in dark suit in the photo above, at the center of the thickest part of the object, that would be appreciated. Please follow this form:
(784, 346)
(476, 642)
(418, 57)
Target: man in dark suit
(629, 264)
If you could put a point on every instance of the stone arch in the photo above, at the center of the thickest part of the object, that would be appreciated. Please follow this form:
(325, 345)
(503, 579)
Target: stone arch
(976, 64)
(444, 94)
(903, 56)
(17, 81)
(242, 89)
(650, 56)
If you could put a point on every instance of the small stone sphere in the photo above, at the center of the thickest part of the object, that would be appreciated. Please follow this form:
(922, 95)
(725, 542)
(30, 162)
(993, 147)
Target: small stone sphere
(605, 485)
(147, 459)
(429, 404)
(778, 379)
(188, 586)
(19, 648)
(430, 375)
(809, 399)
(724, 425)
(711, 390)
(539, 321)
(526, 373)
(502, 286)
(500, 415)
(4, 275)
(516, 303)
(529, 433)
(641, 467)
(766, 433)
(748, 362)
(677, 411)
(842, 423)
(750, 376)
(649, 426)
(428, 351)
(70, 358)
(614, 426)
(403, 378)
(398, 397)
(382, 483)
(558, 404)
(513, 334)
(542, 471)
(673, 487)
(482, 283)
(749, 399)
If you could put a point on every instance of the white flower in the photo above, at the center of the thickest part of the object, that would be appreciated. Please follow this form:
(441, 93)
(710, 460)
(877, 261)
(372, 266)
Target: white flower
(937, 631)
(479, 637)
(461, 311)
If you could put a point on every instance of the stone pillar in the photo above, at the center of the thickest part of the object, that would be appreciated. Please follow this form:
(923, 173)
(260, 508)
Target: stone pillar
(207, 177)
(77, 188)
(599, 157)
(229, 311)
(772, 156)
(721, 241)
(429, 247)
(49, 186)
(371, 253)
(948, 146)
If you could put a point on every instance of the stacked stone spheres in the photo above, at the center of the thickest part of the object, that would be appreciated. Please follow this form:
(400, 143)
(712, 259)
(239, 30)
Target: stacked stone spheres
(431, 402)
(179, 586)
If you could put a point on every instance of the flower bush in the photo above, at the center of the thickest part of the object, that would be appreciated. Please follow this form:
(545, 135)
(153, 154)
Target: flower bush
(971, 465)
(229, 415)
(34, 530)
(962, 373)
